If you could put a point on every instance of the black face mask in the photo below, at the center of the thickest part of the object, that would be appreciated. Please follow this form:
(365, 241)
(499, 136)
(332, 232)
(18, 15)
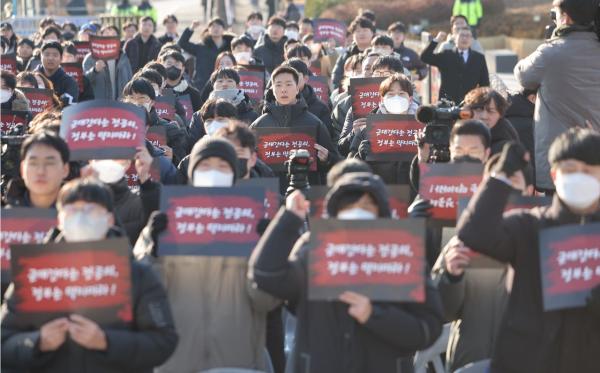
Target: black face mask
(242, 167)
(466, 159)
(173, 73)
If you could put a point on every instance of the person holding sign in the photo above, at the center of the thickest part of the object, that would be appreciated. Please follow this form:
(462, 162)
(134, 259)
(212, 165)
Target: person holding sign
(532, 339)
(350, 333)
(174, 63)
(11, 99)
(69, 58)
(220, 316)
(74, 343)
(64, 86)
(289, 111)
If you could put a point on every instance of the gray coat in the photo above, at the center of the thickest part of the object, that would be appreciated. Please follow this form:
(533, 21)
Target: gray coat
(567, 71)
(101, 82)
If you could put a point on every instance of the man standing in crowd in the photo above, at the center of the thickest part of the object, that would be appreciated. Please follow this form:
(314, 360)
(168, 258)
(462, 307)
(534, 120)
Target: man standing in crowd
(269, 49)
(410, 58)
(65, 86)
(457, 23)
(362, 31)
(462, 68)
(144, 47)
(566, 72)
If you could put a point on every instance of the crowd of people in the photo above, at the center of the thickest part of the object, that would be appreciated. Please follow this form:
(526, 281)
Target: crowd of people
(199, 313)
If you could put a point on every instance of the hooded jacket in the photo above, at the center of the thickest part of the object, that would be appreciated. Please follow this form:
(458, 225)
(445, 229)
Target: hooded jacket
(269, 52)
(137, 346)
(220, 316)
(62, 82)
(101, 81)
(530, 340)
(327, 338)
(206, 54)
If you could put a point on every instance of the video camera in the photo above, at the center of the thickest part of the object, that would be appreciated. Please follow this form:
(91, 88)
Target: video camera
(298, 165)
(438, 122)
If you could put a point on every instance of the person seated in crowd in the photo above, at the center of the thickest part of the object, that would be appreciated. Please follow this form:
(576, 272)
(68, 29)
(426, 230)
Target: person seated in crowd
(12, 100)
(531, 339)
(174, 63)
(25, 48)
(288, 111)
(69, 55)
(242, 49)
(254, 27)
(75, 342)
(210, 295)
(340, 98)
(65, 87)
(379, 336)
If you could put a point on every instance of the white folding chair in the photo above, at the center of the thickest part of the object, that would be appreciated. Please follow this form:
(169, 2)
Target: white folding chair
(481, 366)
(433, 354)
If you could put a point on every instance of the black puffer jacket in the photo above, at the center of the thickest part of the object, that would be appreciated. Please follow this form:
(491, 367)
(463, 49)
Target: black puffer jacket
(269, 52)
(137, 346)
(520, 115)
(177, 138)
(128, 210)
(328, 339)
(502, 133)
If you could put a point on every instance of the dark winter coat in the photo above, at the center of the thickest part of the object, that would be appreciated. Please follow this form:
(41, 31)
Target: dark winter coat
(520, 115)
(62, 82)
(269, 52)
(338, 70)
(502, 133)
(133, 49)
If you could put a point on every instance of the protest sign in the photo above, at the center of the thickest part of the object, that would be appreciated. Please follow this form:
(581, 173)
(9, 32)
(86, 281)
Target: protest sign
(275, 143)
(365, 95)
(272, 196)
(11, 120)
(186, 102)
(321, 87)
(8, 62)
(515, 201)
(381, 259)
(392, 137)
(211, 221)
(105, 47)
(75, 71)
(83, 48)
(40, 99)
(133, 179)
(326, 29)
(103, 129)
(22, 225)
(157, 135)
(253, 84)
(54, 280)
(443, 184)
(165, 106)
(569, 264)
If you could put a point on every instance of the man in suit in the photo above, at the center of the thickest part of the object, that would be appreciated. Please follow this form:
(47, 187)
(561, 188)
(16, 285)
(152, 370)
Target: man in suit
(462, 68)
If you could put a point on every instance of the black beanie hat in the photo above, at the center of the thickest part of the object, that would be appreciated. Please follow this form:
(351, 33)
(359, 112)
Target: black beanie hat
(358, 182)
(213, 147)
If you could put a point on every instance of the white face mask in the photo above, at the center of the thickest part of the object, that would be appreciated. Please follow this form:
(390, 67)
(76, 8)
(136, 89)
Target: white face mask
(577, 190)
(396, 104)
(213, 126)
(212, 178)
(255, 31)
(292, 34)
(242, 57)
(79, 227)
(356, 214)
(382, 51)
(109, 171)
(5, 95)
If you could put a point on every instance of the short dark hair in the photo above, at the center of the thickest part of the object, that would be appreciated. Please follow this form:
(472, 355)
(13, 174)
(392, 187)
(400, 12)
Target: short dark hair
(399, 78)
(155, 65)
(382, 40)
(368, 14)
(110, 27)
(361, 22)
(169, 17)
(222, 55)
(285, 70)
(218, 21)
(472, 127)
(275, 20)
(397, 27)
(147, 18)
(71, 25)
(141, 86)
(52, 30)
(307, 21)
(292, 24)
(240, 132)
(217, 107)
(242, 40)
(289, 42)
(69, 47)
(170, 46)
(225, 72)
(26, 41)
(581, 12)
(345, 167)
(9, 79)
(128, 25)
(255, 15)
(152, 75)
(172, 53)
(53, 45)
(308, 37)
(298, 65)
(87, 190)
(28, 77)
(392, 63)
(581, 144)
(49, 139)
(299, 50)
(482, 96)
(455, 17)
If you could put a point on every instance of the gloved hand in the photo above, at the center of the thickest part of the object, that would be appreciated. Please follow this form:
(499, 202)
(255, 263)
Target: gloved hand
(157, 223)
(364, 149)
(420, 208)
(513, 158)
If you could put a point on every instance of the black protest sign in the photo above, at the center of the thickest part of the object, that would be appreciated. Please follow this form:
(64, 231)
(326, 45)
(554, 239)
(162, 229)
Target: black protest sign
(186, 102)
(157, 135)
(22, 225)
(392, 137)
(103, 129)
(211, 221)
(53, 280)
(39, 99)
(75, 71)
(133, 179)
(83, 48)
(165, 106)
(326, 29)
(569, 264)
(13, 121)
(443, 184)
(253, 84)
(320, 85)
(105, 47)
(365, 95)
(272, 196)
(381, 259)
(8, 62)
(275, 144)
